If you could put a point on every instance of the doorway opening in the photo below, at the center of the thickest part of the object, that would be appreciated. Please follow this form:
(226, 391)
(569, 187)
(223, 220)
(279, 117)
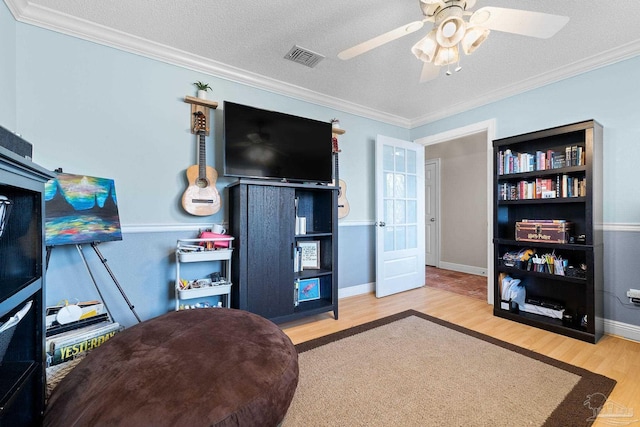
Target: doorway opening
(458, 239)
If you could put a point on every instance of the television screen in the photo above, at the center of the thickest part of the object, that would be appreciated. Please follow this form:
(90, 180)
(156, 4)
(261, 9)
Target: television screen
(80, 209)
(268, 144)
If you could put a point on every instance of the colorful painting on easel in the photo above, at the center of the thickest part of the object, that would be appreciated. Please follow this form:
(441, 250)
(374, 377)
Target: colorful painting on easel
(81, 209)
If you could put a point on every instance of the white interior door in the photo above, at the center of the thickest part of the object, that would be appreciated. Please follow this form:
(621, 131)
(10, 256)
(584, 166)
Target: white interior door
(400, 247)
(432, 212)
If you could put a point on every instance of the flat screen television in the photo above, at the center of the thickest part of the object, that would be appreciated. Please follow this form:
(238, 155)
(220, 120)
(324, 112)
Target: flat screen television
(272, 145)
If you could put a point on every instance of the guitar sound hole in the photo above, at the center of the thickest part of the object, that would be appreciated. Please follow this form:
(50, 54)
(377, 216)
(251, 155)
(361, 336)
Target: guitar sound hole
(202, 183)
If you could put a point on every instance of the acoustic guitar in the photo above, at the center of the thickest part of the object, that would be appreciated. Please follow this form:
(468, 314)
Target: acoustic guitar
(343, 204)
(201, 197)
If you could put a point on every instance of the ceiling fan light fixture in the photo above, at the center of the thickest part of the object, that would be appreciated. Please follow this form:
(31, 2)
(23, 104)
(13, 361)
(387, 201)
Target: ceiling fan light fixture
(425, 50)
(446, 56)
(430, 7)
(450, 31)
(480, 16)
(473, 38)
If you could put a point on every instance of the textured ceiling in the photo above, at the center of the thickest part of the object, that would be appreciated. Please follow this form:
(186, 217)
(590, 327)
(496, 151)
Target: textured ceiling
(247, 40)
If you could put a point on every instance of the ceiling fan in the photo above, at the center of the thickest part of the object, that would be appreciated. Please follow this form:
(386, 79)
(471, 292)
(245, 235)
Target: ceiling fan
(451, 33)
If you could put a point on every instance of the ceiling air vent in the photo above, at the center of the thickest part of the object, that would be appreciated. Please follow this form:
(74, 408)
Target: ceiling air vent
(303, 56)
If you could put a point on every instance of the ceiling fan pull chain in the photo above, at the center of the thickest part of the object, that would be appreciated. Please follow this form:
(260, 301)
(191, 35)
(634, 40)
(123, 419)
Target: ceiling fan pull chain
(458, 68)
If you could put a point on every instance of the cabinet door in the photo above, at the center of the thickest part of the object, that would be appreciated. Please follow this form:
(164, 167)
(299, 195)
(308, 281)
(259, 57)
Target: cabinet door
(270, 234)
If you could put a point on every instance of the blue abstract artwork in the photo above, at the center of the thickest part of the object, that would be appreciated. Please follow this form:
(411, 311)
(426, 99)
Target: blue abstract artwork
(81, 209)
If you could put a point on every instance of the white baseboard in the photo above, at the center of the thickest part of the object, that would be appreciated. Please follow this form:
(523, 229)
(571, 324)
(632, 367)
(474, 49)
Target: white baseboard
(469, 269)
(351, 291)
(624, 330)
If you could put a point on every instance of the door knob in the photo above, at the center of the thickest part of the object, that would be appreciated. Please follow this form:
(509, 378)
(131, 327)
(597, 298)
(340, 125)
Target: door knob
(381, 224)
(432, 220)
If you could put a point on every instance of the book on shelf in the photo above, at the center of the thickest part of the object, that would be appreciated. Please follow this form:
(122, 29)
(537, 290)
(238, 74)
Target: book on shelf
(571, 186)
(564, 186)
(574, 155)
(296, 287)
(56, 329)
(509, 162)
(580, 155)
(540, 188)
(541, 160)
(545, 188)
(68, 345)
(87, 310)
(297, 259)
(557, 161)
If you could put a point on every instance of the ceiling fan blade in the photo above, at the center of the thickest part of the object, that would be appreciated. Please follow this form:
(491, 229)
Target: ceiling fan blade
(523, 22)
(429, 72)
(380, 40)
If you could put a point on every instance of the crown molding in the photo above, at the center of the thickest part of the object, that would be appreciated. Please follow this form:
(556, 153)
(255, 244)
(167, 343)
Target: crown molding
(16, 7)
(43, 17)
(28, 13)
(579, 67)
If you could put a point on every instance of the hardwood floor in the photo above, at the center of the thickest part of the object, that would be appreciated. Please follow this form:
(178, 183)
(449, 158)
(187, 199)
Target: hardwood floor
(612, 356)
(471, 285)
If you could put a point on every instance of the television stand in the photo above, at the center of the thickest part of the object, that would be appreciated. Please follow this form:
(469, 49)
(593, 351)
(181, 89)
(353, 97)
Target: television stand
(263, 222)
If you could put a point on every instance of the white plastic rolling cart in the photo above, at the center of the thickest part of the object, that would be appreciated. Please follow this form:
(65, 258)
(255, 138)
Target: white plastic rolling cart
(193, 250)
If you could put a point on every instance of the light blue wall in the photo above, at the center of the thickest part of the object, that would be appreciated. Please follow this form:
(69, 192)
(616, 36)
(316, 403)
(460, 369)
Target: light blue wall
(95, 110)
(356, 265)
(99, 111)
(7, 69)
(609, 95)
(105, 112)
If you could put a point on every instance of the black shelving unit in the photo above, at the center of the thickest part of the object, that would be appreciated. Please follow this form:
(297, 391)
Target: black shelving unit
(579, 295)
(22, 371)
(262, 220)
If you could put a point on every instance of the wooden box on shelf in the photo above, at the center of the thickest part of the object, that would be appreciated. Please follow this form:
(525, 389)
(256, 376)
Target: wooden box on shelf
(549, 231)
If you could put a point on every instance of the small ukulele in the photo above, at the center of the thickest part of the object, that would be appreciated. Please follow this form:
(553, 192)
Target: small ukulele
(343, 204)
(201, 197)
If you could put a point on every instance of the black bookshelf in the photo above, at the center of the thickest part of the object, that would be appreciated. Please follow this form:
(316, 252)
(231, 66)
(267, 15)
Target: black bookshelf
(544, 164)
(22, 370)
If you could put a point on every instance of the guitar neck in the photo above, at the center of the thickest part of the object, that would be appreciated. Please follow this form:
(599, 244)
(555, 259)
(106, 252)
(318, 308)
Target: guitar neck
(202, 156)
(336, 150)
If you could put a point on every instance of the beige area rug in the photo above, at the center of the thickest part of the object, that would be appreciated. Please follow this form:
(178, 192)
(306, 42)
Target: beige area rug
(412, 369)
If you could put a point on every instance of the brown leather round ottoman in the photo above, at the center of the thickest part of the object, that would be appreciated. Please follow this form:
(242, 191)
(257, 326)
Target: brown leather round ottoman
(198, 367)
